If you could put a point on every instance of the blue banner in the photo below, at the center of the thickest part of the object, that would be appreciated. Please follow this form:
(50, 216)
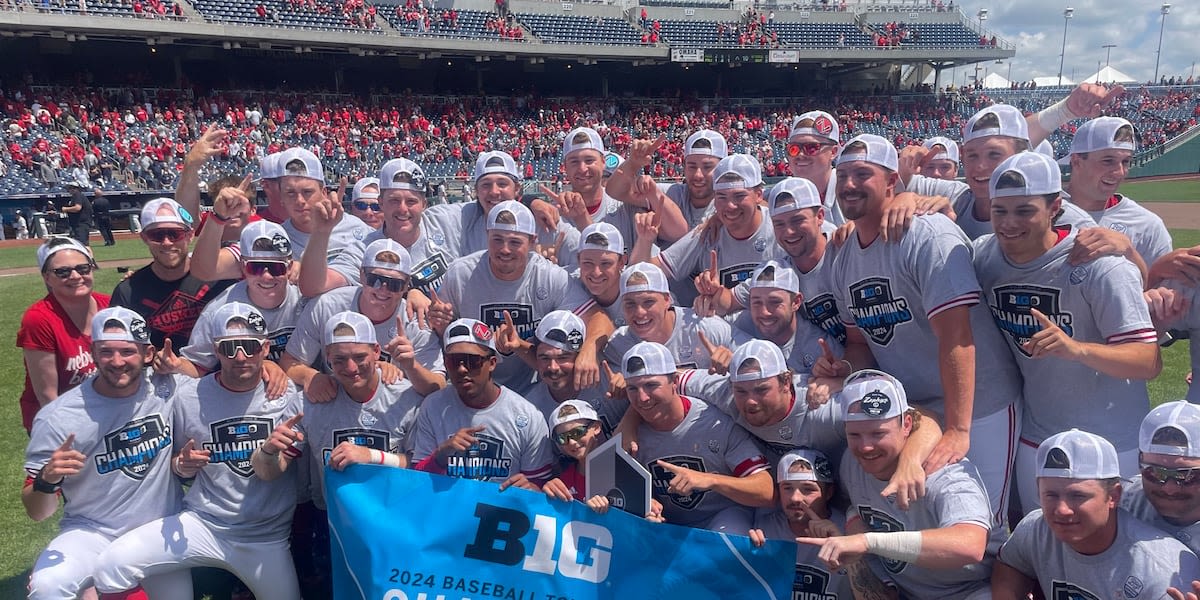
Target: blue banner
(399, 534)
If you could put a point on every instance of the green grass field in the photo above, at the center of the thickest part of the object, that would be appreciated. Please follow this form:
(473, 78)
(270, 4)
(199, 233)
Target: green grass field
(12, 255)
(1163, 191)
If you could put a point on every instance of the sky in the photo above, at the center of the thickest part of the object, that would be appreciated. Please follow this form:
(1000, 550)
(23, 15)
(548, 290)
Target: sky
(1036, 27)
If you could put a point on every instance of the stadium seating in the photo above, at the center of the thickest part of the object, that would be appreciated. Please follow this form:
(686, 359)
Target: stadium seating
(471, 24)
(571, 29)
(327, 16)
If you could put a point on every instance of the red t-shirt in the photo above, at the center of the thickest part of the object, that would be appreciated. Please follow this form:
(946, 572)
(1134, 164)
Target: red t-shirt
(46, 327)
(575, 481)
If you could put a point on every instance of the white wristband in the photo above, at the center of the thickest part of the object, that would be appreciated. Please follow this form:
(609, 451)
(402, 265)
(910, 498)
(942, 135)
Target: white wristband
(1055, 116)
(899, 545)
(386, 459)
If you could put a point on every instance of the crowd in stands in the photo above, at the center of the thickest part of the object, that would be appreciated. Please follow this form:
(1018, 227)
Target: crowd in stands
(506, 27)
(755, 29)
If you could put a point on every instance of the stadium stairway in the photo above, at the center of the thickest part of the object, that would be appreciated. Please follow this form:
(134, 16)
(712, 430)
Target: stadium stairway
(189, 12)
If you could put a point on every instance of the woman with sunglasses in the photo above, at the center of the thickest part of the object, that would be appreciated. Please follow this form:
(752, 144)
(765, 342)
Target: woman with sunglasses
(364, 202)
(54, 334)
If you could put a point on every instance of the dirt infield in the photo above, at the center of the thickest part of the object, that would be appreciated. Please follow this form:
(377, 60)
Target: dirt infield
(1177, 215)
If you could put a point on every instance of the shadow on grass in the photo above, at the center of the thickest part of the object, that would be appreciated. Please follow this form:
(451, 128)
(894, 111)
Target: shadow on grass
(15, 586)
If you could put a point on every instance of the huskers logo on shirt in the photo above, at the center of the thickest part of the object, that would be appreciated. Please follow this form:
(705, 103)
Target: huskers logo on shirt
(133, 448)
(811, 583)
(235, 440)
(661, 480)
(483, 460)
(876, 312)
(1062, 590)
(1010, 309)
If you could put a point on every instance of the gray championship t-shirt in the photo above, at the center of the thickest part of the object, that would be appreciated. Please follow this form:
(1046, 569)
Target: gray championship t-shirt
(678, 193)
(964, 208)
(1134, 500)
(814, 580)
(280, 321)
(349, 230)
(819, 305)
(462, 230)
(736, 259)
(801, 350)
(1145, 229)
(1140, 565)
(684, 342)
(430, 259)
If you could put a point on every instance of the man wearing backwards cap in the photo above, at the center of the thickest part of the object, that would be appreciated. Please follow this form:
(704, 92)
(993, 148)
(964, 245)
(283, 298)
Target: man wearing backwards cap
(1167, 495)
(942, 546)
(1101, 152)
(509, 277)
(811, 147)
(476, 428)
(910, 303)
(601, 258)
(775, 314)
(232, 518)
(1080, 544)
(701, 152)
(364, 202)
(165, 292)
(310, 209)
(944, 162)
(1087, 326)
(384, 276)
(706, 471)
(106, 445)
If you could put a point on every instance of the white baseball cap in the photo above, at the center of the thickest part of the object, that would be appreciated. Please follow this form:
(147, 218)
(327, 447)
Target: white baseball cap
(55, 245)
(1009, 123)
(132, 325)
(359, 192)
(707, 142)
(647, 358)
(386, 253)
(1045, 149)
(602, 236)
(951, 148)
(582, 138)
(643, 277)
(872, 149)
(746, 169)
(165, 211)
(362, 329)
(569, 411)
(237, 319)
(1077, 454)
(298, 162)
(775, 275)
(495, 161)
(804, 464)
(1025, 174)
(470, 331)
(268, 166)
(402, 174)
(818, 123)
(562, 329)
(1101, 134)
(511, 215)
(756, 359)
(1171, 428)
(871, 395)
(264, 240)
(792, 194)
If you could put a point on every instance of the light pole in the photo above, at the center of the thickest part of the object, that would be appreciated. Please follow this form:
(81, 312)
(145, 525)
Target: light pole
(1166, 8)
(1108, 53)
(1067, 14)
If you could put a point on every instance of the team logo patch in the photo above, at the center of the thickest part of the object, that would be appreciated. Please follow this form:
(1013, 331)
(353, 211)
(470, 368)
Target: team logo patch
(1010, 310)
(1118, 227)
(731, 276)
(1078, 275)
(1133, 587)
(234, 441)
(359, 234)
(137, 329)
(281, 244)
(714, 446)
(481, 331)
(428, 272)
(133, 447)
(760, 244)
(367, 419)
(877, 520)
(811, 583)
(611, 161)
(875, 404)
(522, 421)
(438, 238)
(256, 323)
(1061, 590)
(876, 311)
(185, 216)
(367, 438)
(484, 460)
(823, 125)
(786, 432)
(522, 317)
(542, 293)
(164, 387)
(822, 311)
(661, 480)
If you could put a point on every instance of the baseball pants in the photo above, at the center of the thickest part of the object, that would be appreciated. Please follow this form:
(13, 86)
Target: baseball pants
(65, 568)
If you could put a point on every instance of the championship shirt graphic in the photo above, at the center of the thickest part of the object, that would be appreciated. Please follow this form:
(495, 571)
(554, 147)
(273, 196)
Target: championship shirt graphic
(1010, 309)
(133, 447)
(373, 439)
(732, 275)
(485, 459)
(661, 480)
(522, 317)
(279, 341)
(427, 274)
(1062, 590)
(811, 583)
(876, 311)
(235, 439)
(876, 520)
(822, 311)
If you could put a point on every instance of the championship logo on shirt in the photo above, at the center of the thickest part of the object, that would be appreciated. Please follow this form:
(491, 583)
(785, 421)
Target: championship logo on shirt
(811, 583)
(822, 311)
(279, 341)
(522, 317)
(133, 447)
(1062, 590)
(661, 480)
(876, 520)
(1010, 309)
(235, 439)
(876, 311)
(367, 438)
(485, 459)
(733, 275)
(427, 274)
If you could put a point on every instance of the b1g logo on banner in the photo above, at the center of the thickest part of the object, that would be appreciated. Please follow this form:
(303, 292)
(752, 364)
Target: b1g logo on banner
(470, 541)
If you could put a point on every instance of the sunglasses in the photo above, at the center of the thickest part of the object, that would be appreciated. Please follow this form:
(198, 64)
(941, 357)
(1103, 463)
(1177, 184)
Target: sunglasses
(573, 434)
(82, 269)
(364, 206)
(393, 284)
(259, 268)
(1161, 475)
(472, 362)
(795, 149)
(249, 346)
(159, 236)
